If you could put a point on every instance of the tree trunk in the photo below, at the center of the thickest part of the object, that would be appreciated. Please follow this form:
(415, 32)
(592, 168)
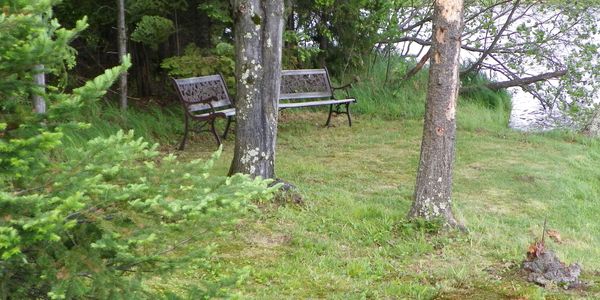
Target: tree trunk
(122, 29)
(258, 39)
(592, 129)
(141, 67)
(290, 22)
(177, 44)
(433, 191)
(39, 78)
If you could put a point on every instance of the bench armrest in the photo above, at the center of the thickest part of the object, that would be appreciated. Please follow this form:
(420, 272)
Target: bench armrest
(208, 101)
(343, 87)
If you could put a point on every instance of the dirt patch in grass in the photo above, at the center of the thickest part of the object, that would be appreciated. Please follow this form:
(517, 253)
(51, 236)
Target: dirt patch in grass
(269, 240)
(525, 178)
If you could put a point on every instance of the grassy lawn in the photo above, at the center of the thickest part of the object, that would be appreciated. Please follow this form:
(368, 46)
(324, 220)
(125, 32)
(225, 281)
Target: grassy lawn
(349, 239)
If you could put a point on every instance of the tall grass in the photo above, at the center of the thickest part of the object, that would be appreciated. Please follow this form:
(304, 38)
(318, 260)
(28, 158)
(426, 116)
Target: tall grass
(383, 94)
(391, 99)
(154, 123)
(482, 108)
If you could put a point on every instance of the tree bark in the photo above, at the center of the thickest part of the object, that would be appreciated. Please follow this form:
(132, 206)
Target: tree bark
(258, 38)
(433, 191)
(592, 129)
(39, 78)
(122, 30)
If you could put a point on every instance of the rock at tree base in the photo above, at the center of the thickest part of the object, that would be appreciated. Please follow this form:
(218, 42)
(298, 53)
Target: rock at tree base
(546, 268)
(285, 186)
(288, 193)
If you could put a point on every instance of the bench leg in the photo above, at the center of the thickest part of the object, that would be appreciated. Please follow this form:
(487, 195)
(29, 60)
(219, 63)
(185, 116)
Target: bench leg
(185, 134)
(348, 113)
(227, 128)
(329, 117)
(214, 131)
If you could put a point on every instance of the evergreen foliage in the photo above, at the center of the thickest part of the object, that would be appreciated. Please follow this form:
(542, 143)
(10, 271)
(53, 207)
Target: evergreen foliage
(95, 219)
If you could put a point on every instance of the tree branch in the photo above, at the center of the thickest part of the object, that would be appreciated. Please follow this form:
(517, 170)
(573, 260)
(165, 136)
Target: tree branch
(418, 67)
(518, 81)
(417, 24)
(495, 41)
(424, 42)
(471, 18)
(525, 81)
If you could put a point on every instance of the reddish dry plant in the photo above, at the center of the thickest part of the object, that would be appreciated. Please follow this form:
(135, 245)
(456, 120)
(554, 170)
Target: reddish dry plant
(554, 235)
(535, 250)
(538, 247)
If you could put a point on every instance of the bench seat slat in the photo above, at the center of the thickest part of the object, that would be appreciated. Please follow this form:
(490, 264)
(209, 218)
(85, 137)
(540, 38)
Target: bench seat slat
(315, 103)
(291, 96)
(228, 113)
(303, 72)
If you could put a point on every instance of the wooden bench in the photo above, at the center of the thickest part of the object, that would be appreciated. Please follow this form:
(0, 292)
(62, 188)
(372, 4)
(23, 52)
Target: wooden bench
(312, 87)
(204, 99)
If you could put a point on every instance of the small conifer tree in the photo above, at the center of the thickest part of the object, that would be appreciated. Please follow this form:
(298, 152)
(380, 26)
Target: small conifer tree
(94, 220)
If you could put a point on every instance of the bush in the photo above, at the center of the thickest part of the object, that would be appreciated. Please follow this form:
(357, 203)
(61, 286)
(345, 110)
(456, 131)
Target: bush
(476, 91)
(153, 30)
(198, 62)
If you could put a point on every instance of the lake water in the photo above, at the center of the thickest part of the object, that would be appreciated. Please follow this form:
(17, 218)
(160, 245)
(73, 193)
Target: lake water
(528, 114)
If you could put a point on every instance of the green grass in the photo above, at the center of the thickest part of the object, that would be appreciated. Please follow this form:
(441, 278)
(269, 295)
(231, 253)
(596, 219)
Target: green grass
(350, 240)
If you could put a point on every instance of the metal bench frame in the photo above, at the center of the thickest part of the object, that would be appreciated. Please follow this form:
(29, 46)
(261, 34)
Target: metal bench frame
(314, 85)
(204, 100)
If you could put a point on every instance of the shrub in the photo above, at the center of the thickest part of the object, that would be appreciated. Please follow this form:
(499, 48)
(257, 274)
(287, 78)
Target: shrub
(153, 30)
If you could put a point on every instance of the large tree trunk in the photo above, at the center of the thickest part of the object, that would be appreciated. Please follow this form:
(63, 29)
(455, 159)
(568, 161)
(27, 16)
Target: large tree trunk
(433, 191)
(258, 39)
(122, 29)
(39, 78)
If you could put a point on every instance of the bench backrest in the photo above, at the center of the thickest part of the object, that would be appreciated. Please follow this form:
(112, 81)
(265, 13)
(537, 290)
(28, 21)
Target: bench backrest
(195, 89)
(305, 84)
